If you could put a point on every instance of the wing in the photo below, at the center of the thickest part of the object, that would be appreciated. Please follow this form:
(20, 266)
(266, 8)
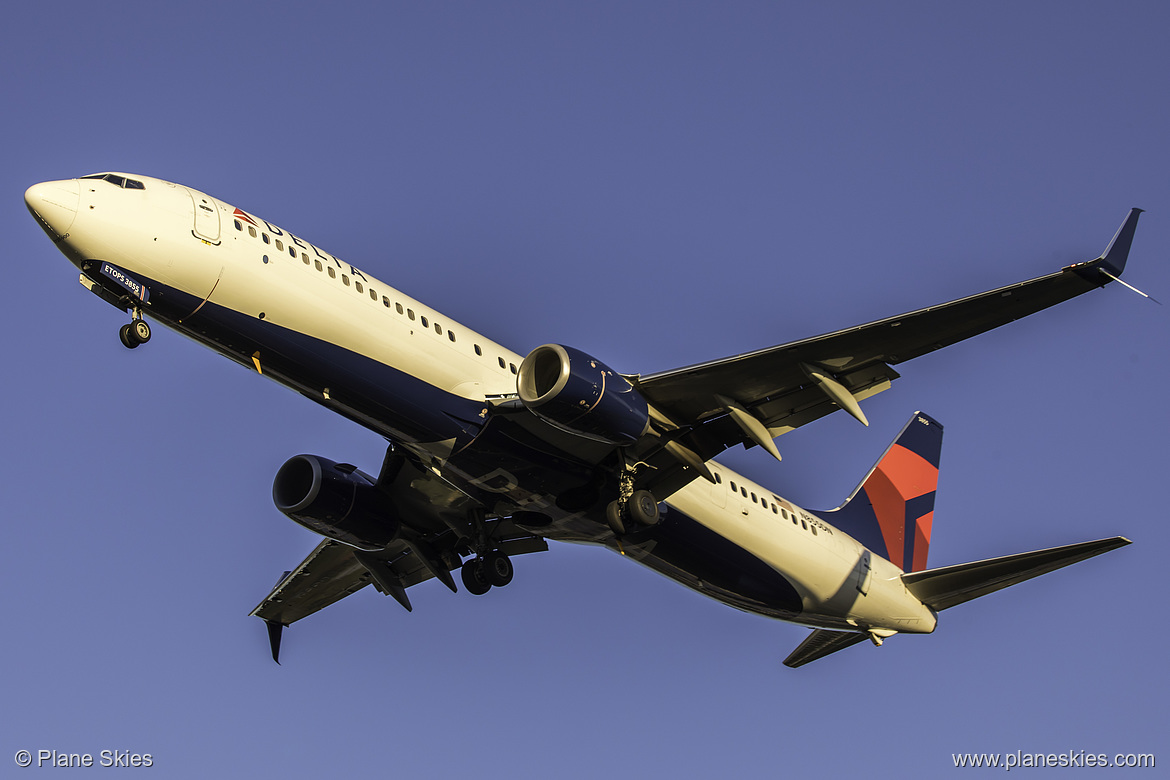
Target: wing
(329, 574)
(334, 570)
(787, 386)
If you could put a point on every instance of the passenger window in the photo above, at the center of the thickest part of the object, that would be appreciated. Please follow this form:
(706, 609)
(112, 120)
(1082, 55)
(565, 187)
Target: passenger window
(374, 296)
(438, 329)
(318, 264)
(292, 252)
(774, 510)
(814, 530)
(410, 314)
(512, 367)
(478, 351)
(252, 231)
(332, 273)
(743, 490)
(385, 301)
(303, 257)
(734, 488)
(398, 307)
(794, 519)
(502, 363)
(753, 498)
(239, 227)
(425, 323)
(279, 245)
(265, 237)
(718, 479)
(358, 286)
(451, 335)
(804, 525)
(344, 279)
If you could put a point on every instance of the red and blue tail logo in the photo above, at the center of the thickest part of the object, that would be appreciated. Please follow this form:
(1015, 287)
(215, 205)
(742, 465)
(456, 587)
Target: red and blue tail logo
(891, 511)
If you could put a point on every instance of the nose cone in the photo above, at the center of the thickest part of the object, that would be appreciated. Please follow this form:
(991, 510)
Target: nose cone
(54, 204)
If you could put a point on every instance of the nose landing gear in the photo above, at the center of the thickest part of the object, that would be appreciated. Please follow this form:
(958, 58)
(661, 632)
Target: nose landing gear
(135, 332)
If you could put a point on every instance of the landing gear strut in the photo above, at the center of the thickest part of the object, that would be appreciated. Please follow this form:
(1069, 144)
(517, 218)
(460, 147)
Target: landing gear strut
(135, 332)
(633, 507)
(489, 567)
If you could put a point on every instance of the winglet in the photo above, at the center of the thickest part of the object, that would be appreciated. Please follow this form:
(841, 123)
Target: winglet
(274, 629)
(1116, 254)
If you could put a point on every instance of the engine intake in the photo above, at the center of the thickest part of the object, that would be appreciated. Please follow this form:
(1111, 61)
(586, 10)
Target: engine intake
(578, 393)
(335, 501)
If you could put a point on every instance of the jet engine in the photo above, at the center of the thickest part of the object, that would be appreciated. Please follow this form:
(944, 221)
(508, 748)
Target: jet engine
(335, 500)
(578, 393)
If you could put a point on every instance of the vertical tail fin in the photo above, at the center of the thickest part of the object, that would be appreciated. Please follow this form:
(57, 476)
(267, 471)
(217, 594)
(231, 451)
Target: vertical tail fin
(891, 511)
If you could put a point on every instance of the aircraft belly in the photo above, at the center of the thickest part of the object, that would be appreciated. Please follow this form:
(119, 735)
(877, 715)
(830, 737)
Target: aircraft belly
(380, 397)
(696, 556)
(820, 568)
(737, 560)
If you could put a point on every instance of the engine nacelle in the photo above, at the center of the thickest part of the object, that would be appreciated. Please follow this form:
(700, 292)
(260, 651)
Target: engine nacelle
(574, 391)
(335, 501)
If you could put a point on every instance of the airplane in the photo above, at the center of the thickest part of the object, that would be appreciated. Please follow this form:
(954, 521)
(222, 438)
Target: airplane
(491, 454)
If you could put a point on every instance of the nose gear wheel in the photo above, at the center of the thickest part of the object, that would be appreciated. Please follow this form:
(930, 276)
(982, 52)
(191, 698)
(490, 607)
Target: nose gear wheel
(135, 332)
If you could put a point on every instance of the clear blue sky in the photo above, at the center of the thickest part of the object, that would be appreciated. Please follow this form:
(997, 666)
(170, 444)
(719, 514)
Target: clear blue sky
(654, 183)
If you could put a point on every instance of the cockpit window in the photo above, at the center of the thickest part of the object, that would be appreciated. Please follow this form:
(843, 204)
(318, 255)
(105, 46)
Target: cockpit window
(118, 181)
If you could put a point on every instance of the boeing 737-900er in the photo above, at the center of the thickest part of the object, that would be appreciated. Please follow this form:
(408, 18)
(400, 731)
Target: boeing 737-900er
(491, 454)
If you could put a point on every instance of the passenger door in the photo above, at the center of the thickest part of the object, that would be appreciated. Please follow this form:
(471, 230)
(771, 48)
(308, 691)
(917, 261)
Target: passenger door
(206, 218)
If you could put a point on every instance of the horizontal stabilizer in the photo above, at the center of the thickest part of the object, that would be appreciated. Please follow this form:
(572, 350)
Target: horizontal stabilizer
(944, 588)
(820, 643)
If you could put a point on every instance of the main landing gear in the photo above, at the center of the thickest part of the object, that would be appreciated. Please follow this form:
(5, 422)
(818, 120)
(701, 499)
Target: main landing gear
(490, 567)
(481, 573)
(633, 508)
(135, 332)
(640, 510)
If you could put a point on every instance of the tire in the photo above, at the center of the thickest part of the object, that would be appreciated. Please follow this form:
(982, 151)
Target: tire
(643, 508)
(613, 516)
(141, 330)
(126, 335)
(474, 579)
(497, 569)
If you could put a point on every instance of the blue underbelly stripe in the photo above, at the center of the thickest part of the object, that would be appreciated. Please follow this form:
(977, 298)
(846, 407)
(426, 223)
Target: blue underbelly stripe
(398, 405)
(391, 401)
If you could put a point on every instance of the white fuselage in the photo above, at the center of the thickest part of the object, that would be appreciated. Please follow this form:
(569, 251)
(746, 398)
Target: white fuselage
(196, 252)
